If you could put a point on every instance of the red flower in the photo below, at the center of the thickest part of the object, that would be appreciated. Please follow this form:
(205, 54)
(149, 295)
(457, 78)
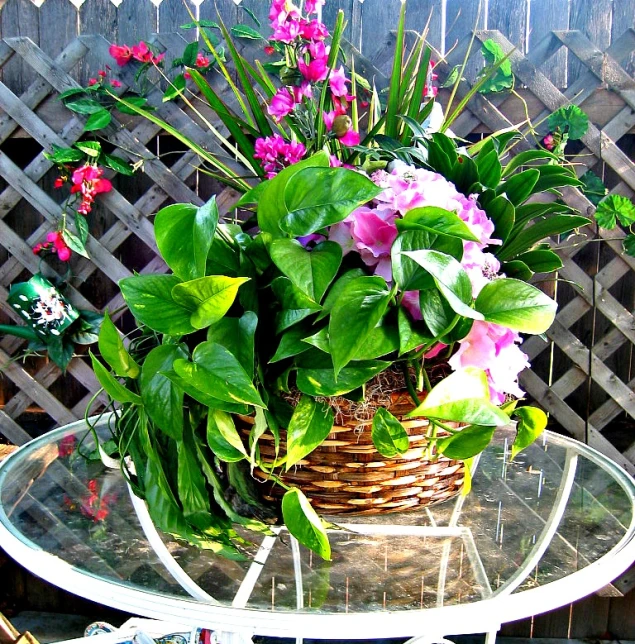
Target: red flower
(121, 53)
(59, 182)
(115, 83)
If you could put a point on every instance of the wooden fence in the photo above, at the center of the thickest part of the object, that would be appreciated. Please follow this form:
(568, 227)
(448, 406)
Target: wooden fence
(583, 375)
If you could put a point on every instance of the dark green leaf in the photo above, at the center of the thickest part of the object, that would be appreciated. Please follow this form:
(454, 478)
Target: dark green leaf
(162, 398)
(295, 305)
(291, 344)
(489, 169)
(117, 164)
(318, 197)
(467, 443)
(175, 88)
(184, 236)
(629, 245)
(237, 335)
(388, 434)
(411, 333)
(526, 157)
(81, 225)
(593, 188)
(516, 269)
(243, 31)
(519, 186)
(74, 243)
(216, 372)
(570, 119)
(310, 424)
(541, 261)
(84, 106)
(502, 213)
(357, 312)
(311, 271)
(97, 120)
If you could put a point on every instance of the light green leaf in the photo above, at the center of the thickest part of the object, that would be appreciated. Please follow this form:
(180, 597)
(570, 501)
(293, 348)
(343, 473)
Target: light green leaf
(223, 438)
(436, 220)
(113, 351)
(304, 524)
(209, 298)
(111, 385)
(615, 208)
(150, 300)
(517, 305)
(531, 423)
(467, 443)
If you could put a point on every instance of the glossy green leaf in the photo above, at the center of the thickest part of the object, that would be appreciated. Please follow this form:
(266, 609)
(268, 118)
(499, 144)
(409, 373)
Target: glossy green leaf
(531, 423)
(388, 434)
(310, 424)
(336, 290)
(237, 335)
(296, 306)
(502, 213)
(519, 186)
(222, 437)
(191, 483)
(291, 344)
(111, 385)
(114, 352)
(209, 298)
(316, 376)
(542, 229)
(357, 312)
(149, 297)
(163, 398)
(97, 120)
(411, 333)
(462, 397)
(489, 168)
(436, 220)
(570, 119)
(436, 312)
(541, 261)
(216, 372)
(526, 157)
(271, 204)
(517, 269)
(516, 305)
(304, 524)
(318, 197)
(310, 270)
(184, 236)
(451, 280)
(467, 443)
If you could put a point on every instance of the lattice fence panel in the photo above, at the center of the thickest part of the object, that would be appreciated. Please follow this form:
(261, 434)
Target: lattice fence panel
(595, 323)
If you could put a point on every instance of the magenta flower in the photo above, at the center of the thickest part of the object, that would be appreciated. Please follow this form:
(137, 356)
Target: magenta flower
(121, 53)
(549, 142)
(342, 126)
(286, 32)
(337, 82)
(315, 71)
(311, 6)
(275, 154)
(314, 30)
(281, 104)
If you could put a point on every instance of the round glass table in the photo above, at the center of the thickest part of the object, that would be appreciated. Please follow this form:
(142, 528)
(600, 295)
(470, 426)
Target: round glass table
(533, 534)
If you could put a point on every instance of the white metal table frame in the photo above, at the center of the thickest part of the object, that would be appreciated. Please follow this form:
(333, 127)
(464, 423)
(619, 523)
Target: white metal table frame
(237, 624)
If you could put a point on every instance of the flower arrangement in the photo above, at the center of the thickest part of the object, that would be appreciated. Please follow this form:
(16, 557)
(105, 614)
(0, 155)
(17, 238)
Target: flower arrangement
(377, 249)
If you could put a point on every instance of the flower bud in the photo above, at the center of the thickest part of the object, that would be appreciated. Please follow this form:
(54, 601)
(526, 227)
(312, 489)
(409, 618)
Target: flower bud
(342, 124)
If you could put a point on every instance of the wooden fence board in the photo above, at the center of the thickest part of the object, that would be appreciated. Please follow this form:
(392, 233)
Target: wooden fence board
(544, 16)
(19, 18)
(510, 18)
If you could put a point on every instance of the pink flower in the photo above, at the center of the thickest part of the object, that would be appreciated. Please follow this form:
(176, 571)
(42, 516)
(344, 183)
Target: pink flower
(310, 6)
(281, 104)
(342, 126)
(87, 180)
(201, 60)
(59, 182)
(115, 83)
(121, 53)
(92, 81)
(56, 244)
(350, 138)
(142, 53)
(549, 142)
(314, 30)
(287, 31)
(315, 71)
(275, 153)
(494, 349)
(157, 59)
(337, 82)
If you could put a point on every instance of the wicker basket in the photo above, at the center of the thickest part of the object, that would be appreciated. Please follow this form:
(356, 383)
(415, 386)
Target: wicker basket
(346, 474)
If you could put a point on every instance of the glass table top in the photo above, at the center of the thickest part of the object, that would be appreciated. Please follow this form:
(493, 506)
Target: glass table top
(529, 528)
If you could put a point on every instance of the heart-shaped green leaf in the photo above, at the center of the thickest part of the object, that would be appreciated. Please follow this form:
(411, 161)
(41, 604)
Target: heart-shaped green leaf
(531, 423)
(304, 524)
(388, 434)
(467, 443)
(223, 438)
(149, 297)
(209, 298)
(184, 235)
(436, 220)
(318, 197)
(310, 270)
(516, 305)
(310, 424)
